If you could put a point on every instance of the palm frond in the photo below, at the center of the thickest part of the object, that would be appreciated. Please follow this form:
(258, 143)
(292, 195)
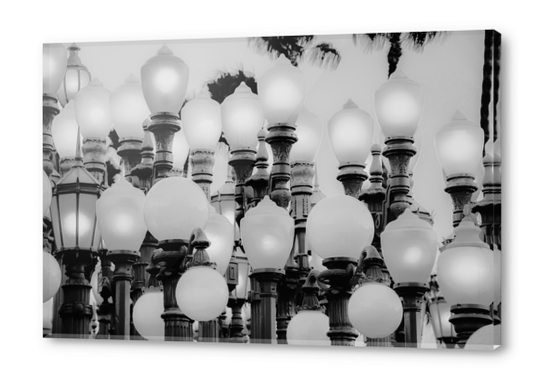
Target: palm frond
(370, 42)
(292, 47)
(324, 56)
(416, 41)
(225, 83)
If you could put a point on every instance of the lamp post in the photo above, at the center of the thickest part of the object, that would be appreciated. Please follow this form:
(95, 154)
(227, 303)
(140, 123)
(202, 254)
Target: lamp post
(490, 205)
(459, 145)
(350, 134)
(267, 232)
(238, 296)
(164, 79)
(77, 76)
(259, 181)
(337, 227)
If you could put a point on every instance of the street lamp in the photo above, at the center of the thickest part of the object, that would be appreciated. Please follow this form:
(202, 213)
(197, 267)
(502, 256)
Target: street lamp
(122, 226)
(409, 247)
(459, 145)
(224, 199)
(77, 76)
(147, 314)
(65, 132)
(351, 135)
(220, 233)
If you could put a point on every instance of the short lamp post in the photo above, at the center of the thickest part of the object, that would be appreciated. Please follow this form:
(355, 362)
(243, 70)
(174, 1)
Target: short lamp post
(409, 247)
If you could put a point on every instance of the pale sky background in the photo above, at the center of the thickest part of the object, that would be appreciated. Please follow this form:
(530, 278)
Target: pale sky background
(450, 72)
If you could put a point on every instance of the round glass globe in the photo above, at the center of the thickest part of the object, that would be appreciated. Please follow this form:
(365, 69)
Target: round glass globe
(202, 293)
(351, 134)
(202, 122)
(65, 131)
(399, 106)
(268, 235)
(92, 110)
(282, 91)
(375, 310)
(486, 338)
(339, 226)
(47, 194)
(180, 149)
(164, 80)
(409, 247)
(120, 216)
(242, 118)
(459, 145)
(308, 328)
(147, 316)
(219, 232)
(77, 76)
(52, 276)
(174, 207)
(129, 109)
(309, 136)
(55, 62)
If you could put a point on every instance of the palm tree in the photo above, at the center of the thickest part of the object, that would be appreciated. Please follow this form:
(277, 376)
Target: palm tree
(297, 49)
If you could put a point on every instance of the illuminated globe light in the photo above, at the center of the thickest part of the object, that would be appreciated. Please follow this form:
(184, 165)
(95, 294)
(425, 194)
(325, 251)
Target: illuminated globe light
(339, 226)
(92, 110)
(174, 207)
(375, 310)
(65, 131)
(409, 248)
(308, 328)
(220, 233)
(48, 317)
(52, 276)
(282, 91)
(77, 76)
(180, 149)
(164, 80)
(399, 104)
(351, 134)
(466, 267)
(147, 315)
(202, 293)
(242, 118)
(55, 61)
(129, 109)
(267, 231)
(202, 121)
(309, 136)
(459, 145)
(486, 338)
(120, 216)
(47, 194)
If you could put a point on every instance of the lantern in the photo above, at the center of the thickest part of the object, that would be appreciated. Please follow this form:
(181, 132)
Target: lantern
(77, 76)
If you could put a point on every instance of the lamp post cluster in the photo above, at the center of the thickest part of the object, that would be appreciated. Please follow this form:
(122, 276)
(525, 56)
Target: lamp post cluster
(310, 269)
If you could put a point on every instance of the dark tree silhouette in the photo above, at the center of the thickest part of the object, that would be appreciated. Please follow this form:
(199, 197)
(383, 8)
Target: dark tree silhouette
(490, 83)
(298, 49)
(416, 41)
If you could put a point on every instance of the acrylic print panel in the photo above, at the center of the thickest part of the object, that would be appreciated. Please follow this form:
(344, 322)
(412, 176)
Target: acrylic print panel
(330, 190)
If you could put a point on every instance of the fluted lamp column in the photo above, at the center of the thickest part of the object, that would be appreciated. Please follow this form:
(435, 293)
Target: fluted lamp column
(350, 134)
(399, 107)
(164, 80)
(459, 145)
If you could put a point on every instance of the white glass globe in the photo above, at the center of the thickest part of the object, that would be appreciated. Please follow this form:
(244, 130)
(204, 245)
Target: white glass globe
(202, 121)
(282, 91)
(92, 110)
(55, 62)
(120, 216)
(351, 134)
(409, 247)
(242, 118)
(180, 149)
(129, 109)
(164, 80)
(309, 136)
(268, 235)
(147, 315)
(375, 310)
(486, 338)
(77, 76)
(174, 207)
(339, 226)
(459, 145)
(52, 276)
(219, 232)
(399, 106)
(65, 131)
(202, 293)
(47, 193)
(308, 328)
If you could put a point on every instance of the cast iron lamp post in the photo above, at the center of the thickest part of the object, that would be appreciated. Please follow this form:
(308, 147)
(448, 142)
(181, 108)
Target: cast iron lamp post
(77, 76)
(239, 296)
